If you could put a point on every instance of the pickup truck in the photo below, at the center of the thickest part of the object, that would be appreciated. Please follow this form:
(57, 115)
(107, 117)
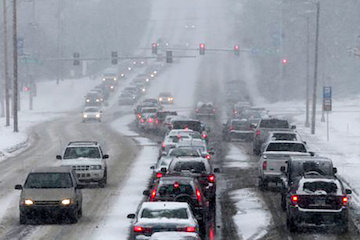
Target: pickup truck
(265, 125)
(275, 158)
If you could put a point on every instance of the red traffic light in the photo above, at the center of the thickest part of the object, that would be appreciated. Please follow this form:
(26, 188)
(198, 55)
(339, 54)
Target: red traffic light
(284, 61)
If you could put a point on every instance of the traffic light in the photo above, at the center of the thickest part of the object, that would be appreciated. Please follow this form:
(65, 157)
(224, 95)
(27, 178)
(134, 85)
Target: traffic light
(114, 57)
(154, 48)
(236, 50)
(76, 61)
(169, 58)
(284, 61)
(202, 49)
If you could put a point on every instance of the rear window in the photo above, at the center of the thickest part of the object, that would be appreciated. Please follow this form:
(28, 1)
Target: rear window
(151, 110)
(274, 123)
(167, 190)
(240, 125)
(179, 213)
(48, 180)
(298, 168)
(193, 125)
(328, 187)
(286, 147)
(180, 152)
(194, 167)
(284, 136)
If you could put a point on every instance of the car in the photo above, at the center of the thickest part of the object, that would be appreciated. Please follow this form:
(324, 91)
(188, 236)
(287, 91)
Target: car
(151, 123)
(175, 236)
(181, 123)
(199, 168)
(165, 216)
(197, 144)
(181, 189)
(275, 157)
(146, 117)
(88, 161)
(239, 107)
(91, 113)
(265, 125)
(166, 98)
(127, 98)
(50, 192)
(281, 136)
(110, 75)
(172, 139)
(93, 99)
(205, 110)
(238, 129)
(317, 200)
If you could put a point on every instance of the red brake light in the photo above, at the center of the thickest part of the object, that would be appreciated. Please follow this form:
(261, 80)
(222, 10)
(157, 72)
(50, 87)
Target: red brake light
(190, 229)
(231, 128)
(204, 135)
(198, 195)
(212, 178)
(142, 120)
(159, 175)
(138, 229)
(153, 194)
(150, 120)
(345, 200)
(157, 121)
(163, 145)
(139, 115)
(264, 165)
(294, 199)
(258, 132)
(208, 157)
(176, 185)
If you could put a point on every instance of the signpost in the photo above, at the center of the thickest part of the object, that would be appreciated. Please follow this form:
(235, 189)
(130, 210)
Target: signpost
(327, 106)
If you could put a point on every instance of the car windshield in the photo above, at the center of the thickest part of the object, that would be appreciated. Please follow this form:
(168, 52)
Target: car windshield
(193, 125)
(81, 152)
(91, 110)
(328, 187)
(286, 147)
(240, 125)
(48, 180)
(179, 213)
(194, 167)
(149, 110)
(167, 190)
(274, 123)
(177, 152)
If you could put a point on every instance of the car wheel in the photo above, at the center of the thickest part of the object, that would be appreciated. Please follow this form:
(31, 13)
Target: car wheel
(262, 184)
(80, 212)
(74, 216)
(23, 219)
(344, 227)
(283, 202)
(103, 181)
(291, 225)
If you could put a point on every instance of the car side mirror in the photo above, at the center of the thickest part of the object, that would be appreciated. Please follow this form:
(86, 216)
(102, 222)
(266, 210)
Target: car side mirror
(105, 156)
(293, 127)
(131, 216)
(18, 187)
(304, 142)
(282, 169)
(334, 170)
(58, 157)
(312, 154)
(348, 191)
(216, 170)
(146, 192)
(152, 167)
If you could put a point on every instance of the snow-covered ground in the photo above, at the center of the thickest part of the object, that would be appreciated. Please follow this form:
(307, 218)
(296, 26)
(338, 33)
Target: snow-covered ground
(52, 101)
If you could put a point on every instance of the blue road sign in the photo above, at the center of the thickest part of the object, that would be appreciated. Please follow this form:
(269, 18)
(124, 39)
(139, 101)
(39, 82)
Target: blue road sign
(327, 92)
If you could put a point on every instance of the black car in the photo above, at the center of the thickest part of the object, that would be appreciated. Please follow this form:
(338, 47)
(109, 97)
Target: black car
(205, 110)
(238, 129)
(317, 200)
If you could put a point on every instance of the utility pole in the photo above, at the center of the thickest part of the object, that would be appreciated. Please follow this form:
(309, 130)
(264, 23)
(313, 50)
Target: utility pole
(307, 123)
(15, 71)
(6, 67)
(313, 119)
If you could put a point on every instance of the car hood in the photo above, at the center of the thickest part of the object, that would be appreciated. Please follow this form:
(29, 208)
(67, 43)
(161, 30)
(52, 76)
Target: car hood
(81, 161)
(47, 194)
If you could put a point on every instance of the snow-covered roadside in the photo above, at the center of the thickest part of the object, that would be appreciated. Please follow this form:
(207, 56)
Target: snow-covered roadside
(129, 195)
(51, 102)
(252, 217)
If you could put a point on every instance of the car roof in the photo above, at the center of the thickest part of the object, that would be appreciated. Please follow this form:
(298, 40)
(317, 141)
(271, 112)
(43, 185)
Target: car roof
(83, 143)
(175, 236)
(284, 141)
(164, 205)
(60, 169)
(177, 178)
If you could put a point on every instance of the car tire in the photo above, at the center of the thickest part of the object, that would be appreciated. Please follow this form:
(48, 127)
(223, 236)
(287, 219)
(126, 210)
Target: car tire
(344, 227)
(262, 184)
(23, 219)
(103, 181)
(290, 224)
(74, 216)
(80, 212)
(283, 202)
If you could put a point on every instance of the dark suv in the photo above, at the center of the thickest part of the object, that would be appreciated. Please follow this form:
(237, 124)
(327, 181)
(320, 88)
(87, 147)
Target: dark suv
(317, 200)
(181, 189)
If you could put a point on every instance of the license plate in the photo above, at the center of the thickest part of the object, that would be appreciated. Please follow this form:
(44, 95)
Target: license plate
(320, 202)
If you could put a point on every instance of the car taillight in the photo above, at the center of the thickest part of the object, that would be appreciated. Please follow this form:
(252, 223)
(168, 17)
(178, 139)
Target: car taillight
(198, 195)
(258, 132)
(212, 178)
(142, 120)
(264, 165)
(190, 229)
(138, 229)
(208, 156)
(159, 175)
(197, 110)
(294, 199)
(150, 120)
(153, 194)
(214, 110)
(204, 135)
(345, 200)
(163, 145)
(139, 115)
(231, 128)
(157, 121)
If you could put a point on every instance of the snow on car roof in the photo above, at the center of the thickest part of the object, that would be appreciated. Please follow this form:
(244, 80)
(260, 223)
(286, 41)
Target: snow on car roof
(174, 236)
(324, 179)
(164, 205)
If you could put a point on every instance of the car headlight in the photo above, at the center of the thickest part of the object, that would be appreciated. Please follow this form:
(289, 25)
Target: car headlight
(85, 115)
(95, 167)
(104, 79)
(87, 100)
(155, 72)
(170, 99)
(147, 80)
(122, 75)
(97, 115)
(143, 89)
(152, 75)
(115, 78)
(28, 202)
(66, 201)
(160, 99)
(129, 68)
(112, 87)
(97, 100)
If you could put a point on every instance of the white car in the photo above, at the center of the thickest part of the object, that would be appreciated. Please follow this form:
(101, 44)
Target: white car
(173, 138)
(175, 236)
(88, 161)
(91, 113)
(162, 217)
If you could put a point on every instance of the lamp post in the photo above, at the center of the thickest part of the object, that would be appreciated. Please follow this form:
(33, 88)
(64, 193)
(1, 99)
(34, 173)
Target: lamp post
(307, 123)
(313, 117)
(6, 67)
(15, 71)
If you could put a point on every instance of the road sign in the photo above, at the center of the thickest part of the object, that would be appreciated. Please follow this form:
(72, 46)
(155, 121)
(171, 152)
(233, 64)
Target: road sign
(327, 101)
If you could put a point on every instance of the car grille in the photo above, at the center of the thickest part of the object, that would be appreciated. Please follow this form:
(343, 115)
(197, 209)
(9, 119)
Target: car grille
(81, 167)
(46, 203)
